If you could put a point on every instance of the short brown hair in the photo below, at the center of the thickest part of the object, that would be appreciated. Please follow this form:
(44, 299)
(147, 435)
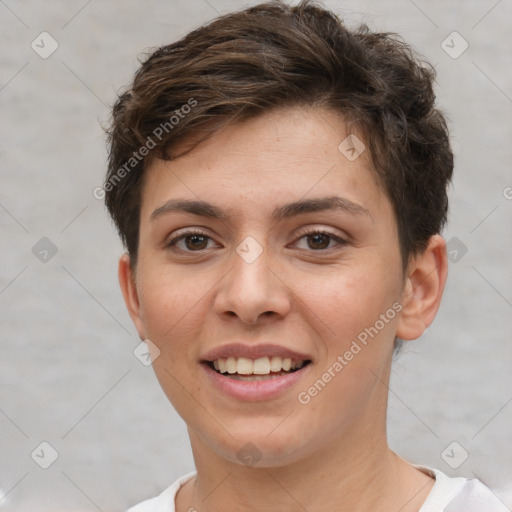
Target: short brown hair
(270, 56)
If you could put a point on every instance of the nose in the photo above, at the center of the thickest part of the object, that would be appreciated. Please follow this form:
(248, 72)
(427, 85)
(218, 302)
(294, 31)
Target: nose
(252, 292)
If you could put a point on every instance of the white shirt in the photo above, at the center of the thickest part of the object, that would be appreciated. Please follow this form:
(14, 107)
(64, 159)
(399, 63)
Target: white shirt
(447, 495)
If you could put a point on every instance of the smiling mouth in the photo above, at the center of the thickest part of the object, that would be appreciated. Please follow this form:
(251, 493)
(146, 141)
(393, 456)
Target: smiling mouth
(263, 368)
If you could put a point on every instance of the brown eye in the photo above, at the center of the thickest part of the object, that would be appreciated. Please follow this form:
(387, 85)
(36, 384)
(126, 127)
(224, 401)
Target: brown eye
(319, 241)
(191, 242)
(196, 242)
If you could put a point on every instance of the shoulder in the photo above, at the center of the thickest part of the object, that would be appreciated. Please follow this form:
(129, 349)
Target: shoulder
(474, 496)
(460, 495)
(164, 502)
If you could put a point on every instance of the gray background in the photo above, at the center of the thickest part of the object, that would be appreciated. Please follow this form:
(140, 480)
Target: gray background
(68, 375)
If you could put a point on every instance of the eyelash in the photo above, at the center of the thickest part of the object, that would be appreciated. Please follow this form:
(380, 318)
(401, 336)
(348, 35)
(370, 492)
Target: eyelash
(340, 241)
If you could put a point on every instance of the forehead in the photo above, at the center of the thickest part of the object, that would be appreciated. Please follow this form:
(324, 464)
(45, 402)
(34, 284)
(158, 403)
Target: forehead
(282, 156)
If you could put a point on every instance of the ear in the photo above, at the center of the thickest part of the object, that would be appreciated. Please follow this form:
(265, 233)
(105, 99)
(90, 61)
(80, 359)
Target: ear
(130, 294)
(423, 290)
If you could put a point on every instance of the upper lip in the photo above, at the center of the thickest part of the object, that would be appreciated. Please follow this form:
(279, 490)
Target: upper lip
(253, 352)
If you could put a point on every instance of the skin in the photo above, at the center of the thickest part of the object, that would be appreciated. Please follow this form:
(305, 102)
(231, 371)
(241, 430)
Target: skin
(332, 453)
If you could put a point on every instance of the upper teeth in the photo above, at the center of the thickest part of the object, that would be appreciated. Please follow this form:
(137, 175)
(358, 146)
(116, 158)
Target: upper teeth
(261, 366)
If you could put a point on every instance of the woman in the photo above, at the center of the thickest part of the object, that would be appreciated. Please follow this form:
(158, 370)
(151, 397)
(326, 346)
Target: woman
(279, 183)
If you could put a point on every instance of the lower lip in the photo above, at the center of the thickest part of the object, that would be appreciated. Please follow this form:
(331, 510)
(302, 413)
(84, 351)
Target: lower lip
(253, 390)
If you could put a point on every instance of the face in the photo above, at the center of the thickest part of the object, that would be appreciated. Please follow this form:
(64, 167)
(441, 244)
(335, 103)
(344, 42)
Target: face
(265, 244)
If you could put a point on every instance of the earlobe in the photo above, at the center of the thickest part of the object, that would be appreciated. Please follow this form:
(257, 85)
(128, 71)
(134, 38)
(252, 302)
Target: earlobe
(423, 290)
(130, 293)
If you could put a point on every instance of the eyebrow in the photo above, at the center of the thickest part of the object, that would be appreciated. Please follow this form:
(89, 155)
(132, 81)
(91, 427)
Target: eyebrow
(286, 211)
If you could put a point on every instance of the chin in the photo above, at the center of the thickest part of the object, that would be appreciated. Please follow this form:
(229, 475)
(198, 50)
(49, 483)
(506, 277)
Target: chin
(261, 449)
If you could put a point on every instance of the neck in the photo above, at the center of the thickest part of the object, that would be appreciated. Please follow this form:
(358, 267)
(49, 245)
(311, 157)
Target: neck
(342, 477)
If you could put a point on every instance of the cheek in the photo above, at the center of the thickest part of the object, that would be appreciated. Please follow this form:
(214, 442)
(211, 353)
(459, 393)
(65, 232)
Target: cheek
(353, 311)
(173, 311)
(347, 301)
(171, 307)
